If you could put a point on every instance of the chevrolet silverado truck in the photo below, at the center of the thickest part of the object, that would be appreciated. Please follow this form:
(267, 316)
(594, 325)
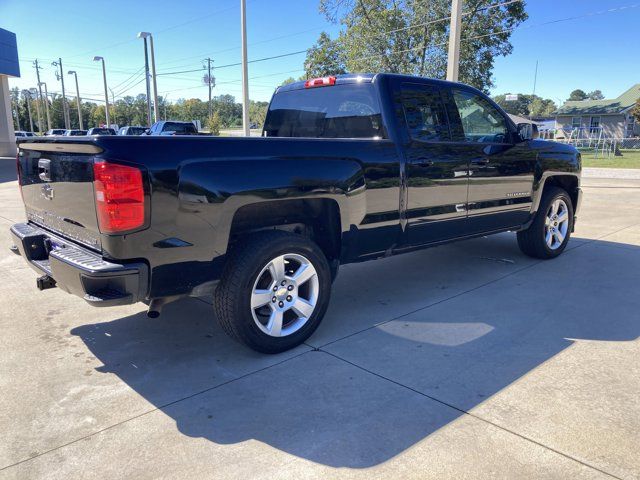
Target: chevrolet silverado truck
(349, 168)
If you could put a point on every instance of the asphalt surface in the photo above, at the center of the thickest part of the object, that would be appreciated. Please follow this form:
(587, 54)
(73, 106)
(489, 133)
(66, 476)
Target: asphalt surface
(463, 361)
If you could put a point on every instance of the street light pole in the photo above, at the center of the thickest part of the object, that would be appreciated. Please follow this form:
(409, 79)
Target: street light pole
(106, 93)
(75, 74)
(453, 59)
(46, 104)
(156, 107)
(144, 36)
(245, 73)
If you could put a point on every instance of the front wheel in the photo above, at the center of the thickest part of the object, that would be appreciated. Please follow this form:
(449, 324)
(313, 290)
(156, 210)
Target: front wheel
(549, 233)
(274, 291)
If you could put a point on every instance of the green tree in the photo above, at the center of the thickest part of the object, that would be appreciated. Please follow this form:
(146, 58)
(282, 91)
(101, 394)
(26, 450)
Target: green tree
(289, 80)
(214, 123)
(577, 95)
(325, 57)
(411, 36)
(258, 112)
(595, 95)
(527, 105)
(541, 107)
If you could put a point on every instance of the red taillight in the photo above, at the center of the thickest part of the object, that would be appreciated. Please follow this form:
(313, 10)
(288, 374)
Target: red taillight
(119, 197)
(320, 82)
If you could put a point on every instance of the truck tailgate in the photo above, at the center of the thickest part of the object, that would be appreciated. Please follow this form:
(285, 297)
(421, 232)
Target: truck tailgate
(57, 188)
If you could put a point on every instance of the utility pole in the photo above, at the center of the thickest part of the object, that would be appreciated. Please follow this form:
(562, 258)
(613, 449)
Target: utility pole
(535, 78)
(210, 81)
(46, 104)
(106, 93)
(38, 98)
(245, 73)
(60, 76)
(27, 95)
(75, 74)
(453, 59)
(34, 91)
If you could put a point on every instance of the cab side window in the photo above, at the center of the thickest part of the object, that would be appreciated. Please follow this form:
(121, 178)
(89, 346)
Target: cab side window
(425, 114)
(481, 121)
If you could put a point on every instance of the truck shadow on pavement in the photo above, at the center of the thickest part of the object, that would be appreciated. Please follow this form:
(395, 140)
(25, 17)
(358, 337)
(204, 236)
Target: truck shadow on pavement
(363, 398)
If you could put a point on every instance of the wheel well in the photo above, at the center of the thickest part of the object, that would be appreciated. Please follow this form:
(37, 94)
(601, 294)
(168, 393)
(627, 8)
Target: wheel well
(317, 219)
(568, 183)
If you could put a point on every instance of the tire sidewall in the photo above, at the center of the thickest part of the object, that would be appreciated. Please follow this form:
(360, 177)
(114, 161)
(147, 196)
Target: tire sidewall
(254, 335)
(558, 194)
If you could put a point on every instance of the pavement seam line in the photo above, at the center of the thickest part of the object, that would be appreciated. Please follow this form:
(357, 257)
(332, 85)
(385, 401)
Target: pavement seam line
(537, 262)
(446, 404)
(142, 414)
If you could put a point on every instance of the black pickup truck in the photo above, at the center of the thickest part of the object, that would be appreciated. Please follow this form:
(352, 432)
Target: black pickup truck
(349, 168)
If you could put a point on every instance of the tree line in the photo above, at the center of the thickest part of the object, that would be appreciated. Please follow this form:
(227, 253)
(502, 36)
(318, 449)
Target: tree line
(132, 110)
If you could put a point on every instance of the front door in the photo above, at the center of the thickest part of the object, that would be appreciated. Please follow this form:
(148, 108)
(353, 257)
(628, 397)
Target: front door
(501, 167)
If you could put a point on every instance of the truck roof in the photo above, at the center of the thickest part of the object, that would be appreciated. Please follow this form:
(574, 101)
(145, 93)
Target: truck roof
(350, 78)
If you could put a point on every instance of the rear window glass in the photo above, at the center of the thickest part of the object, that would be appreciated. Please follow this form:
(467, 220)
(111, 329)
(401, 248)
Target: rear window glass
(179, 127)
(343, 111)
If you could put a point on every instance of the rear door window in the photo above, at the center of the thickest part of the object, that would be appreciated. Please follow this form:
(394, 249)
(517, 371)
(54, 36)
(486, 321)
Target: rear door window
(341, 111)
(425, 113)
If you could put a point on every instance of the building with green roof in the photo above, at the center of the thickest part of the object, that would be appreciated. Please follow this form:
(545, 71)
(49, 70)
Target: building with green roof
(612, 116)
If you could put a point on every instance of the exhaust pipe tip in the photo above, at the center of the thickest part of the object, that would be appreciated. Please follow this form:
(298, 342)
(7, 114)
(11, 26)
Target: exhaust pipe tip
(156, 305)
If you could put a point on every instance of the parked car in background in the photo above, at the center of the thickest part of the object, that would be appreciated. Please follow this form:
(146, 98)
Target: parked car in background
(132, 130)
(55, 131)
(75, 133)
(349, 168)
(171, 127)
(22, 133)
(101, 131)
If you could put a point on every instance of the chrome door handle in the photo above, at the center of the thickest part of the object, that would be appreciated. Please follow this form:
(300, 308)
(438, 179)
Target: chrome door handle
(423, 162)
(480, 161)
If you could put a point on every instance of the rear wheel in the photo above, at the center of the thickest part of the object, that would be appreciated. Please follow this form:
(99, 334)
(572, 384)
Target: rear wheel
(274, 291)
(549, 233)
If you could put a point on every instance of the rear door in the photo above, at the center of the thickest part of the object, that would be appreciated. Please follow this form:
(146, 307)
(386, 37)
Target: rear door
(501, 167)
(57, 189)
(437, 168)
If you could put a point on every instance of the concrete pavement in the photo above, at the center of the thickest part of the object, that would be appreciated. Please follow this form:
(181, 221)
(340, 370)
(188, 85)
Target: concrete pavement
(463, 361)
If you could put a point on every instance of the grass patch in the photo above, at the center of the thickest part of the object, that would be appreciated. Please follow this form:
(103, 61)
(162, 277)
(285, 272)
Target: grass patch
(629, 159)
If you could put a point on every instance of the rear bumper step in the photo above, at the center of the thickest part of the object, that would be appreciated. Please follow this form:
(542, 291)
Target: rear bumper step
(78, 270)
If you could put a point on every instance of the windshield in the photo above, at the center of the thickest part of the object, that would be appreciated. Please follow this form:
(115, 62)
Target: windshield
(344, 111)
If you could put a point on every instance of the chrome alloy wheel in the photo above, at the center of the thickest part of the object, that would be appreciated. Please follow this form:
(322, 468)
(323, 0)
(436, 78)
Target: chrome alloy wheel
(285, 295)
(556, 224)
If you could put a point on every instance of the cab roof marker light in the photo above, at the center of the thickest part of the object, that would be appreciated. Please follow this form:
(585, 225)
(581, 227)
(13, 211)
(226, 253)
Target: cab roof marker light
(320, 82)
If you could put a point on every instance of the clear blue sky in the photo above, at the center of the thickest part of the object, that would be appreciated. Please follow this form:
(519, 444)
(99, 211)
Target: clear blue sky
(589, 52)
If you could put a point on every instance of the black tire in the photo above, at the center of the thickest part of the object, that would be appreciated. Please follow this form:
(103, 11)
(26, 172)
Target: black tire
(232, 298)
(532, 240)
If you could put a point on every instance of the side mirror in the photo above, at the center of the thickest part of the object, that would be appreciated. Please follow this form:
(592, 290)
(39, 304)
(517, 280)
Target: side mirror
(527, 131)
